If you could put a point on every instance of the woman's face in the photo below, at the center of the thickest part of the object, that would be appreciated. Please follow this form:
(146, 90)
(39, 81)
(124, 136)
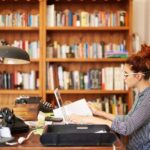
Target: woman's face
(130, 77)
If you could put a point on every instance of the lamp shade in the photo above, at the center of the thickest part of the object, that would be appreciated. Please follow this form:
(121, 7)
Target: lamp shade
(13, 55)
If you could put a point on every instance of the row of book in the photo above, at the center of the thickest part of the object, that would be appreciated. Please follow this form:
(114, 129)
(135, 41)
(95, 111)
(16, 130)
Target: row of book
(107, 78)
(111, 104)
(18, 19)
(19, 80)
(87, 50)
(31, 47)
(97, 18)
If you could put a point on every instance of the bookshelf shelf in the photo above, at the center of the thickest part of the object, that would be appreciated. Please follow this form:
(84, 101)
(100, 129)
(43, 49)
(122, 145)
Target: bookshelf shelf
(89, 92)
(17, 1)
(20, 92)
(86, 60)
(88, 28)
(34, 60)
(83, 1)
(19, 28)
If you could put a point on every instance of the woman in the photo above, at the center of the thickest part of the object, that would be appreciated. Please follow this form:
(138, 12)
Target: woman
(136, 123)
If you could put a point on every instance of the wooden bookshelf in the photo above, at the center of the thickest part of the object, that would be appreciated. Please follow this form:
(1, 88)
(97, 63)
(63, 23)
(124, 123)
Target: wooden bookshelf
(65, 35)
(11, 31)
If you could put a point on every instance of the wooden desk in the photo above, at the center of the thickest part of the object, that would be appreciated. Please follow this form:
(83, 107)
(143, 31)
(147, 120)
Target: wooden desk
(34, 144)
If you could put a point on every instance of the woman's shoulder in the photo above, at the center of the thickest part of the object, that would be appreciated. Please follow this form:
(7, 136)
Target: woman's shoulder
(145, 94)
(145, 91)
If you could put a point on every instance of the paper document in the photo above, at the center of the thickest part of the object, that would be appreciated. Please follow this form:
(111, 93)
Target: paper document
(79, 107)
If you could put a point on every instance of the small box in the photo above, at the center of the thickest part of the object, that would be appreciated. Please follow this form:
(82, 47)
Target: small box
(26, 111)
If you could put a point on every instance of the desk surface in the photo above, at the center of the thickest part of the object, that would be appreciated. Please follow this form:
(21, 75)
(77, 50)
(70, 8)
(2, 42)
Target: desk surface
(34, 144)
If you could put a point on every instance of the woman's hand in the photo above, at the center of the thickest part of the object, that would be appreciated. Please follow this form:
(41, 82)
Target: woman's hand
(77, 119)
(100, 113)
(96, 111)
(93, 108)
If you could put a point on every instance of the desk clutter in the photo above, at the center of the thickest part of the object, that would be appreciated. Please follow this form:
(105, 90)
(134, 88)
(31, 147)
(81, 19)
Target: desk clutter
(26, 109)
(14, 120)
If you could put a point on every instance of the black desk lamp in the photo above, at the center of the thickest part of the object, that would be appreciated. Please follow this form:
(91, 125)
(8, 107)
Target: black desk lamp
(13, 55)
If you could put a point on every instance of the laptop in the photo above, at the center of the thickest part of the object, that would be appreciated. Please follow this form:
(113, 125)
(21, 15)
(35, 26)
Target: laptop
(60, 105)
(78, 107)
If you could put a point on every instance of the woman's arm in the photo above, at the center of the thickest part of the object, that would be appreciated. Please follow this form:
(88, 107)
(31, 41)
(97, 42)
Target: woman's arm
(135, 120)
(88, 120)
(108, 116)
(100, 113)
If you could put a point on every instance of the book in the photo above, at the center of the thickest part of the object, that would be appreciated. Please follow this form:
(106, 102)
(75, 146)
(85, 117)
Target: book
(84, 19)
(51, 14)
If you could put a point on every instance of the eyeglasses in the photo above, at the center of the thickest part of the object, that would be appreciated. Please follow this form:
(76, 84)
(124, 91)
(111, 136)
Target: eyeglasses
(132, 73)
(128, 74)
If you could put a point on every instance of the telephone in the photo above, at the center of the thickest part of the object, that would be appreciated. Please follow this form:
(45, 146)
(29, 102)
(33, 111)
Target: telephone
(43, 105)
(14, 123)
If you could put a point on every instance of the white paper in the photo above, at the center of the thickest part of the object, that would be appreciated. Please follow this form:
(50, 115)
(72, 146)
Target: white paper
(79, 107)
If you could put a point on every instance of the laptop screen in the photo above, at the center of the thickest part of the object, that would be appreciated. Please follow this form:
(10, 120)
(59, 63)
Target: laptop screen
(60, 104)
(58, 98)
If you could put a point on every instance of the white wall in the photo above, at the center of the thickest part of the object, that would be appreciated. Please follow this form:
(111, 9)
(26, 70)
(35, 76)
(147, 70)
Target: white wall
(147, 34)
(141, 19)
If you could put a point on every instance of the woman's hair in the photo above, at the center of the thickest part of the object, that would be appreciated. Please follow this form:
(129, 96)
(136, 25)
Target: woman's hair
(140, 62)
